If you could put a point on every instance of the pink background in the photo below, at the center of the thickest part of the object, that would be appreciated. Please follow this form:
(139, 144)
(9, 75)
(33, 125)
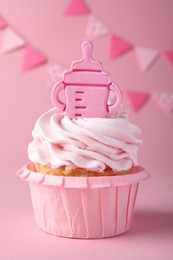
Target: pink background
(24, 96)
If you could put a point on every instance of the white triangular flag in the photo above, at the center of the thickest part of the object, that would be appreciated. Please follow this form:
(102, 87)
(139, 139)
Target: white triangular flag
(54, 72)
(95, 28)
(11, 41)
(165, 101)
(146, 57)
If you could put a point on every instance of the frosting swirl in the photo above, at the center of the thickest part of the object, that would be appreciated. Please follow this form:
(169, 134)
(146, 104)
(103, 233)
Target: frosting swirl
(91, 143)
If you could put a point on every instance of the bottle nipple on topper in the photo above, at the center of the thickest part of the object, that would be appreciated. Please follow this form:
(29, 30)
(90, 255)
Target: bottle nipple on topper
(87, 88)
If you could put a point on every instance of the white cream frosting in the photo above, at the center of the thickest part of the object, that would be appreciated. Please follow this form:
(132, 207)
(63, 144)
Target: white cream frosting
(91, 143)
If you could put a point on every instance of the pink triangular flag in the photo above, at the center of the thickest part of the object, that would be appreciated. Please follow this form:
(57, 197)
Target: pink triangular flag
(11, 41)
(169, 56)
(118, 46)
(137, 99)
(146, 57)
(95, 28)
(165, 101)
(2, 24)
(33, 58)
(76, 7)
(54, 72)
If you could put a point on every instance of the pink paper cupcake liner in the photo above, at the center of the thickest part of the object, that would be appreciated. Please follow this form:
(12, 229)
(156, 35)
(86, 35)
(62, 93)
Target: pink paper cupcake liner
(83, 207)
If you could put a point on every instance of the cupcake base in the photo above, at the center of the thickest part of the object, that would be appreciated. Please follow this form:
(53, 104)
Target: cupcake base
(83, 207)
(80, 172)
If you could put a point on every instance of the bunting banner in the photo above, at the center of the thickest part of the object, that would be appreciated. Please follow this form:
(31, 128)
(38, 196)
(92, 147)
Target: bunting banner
(11, 41)
(137, 99)
(169, 56)
(2, 24)
(76, 7)
(165, 101)
(146, 57)
(118, 46)
(33, 58)
(95, 28)
(54, 72)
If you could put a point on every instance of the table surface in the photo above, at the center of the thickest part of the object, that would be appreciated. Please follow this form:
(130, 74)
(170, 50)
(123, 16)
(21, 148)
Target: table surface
(150, 237)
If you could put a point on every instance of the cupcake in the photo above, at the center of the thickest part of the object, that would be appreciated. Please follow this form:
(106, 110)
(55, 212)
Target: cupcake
(83, 171)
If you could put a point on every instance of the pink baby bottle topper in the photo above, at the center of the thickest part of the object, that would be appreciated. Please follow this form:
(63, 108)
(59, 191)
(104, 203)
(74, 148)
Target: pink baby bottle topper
(87, 88)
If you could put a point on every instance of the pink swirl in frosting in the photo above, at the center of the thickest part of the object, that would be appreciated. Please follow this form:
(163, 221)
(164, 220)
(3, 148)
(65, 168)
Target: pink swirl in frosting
(91, 143)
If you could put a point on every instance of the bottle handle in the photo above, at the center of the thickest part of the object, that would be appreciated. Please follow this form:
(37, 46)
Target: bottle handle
(119, 98)
(55, 96)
